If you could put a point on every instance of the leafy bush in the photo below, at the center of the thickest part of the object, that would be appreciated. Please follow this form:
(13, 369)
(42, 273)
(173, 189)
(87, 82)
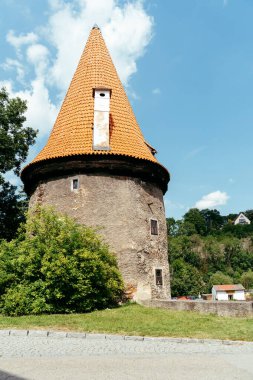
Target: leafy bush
(56, 266)
(185, 279)
(219, 278)
(247, 279)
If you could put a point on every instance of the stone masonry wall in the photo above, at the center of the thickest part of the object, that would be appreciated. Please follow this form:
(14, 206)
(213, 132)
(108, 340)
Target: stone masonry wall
(120, 208)
(222, 308)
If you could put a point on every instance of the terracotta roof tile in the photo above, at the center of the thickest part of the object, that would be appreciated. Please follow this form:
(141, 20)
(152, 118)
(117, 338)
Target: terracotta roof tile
(72, 133)
(228, 287)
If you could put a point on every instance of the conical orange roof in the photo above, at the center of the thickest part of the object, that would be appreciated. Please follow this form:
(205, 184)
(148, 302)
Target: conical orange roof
(72, 133)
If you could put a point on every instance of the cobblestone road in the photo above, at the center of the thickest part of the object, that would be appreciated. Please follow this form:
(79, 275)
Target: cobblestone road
(54, 356)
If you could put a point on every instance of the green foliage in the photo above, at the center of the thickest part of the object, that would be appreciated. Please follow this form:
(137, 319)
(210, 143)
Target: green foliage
(219, 278)
(249, 214)
(239, 230)
(12, 209)
(210, 222)
(56, 266)
(15, 140)
(181, 247)
(185, 279)
(213, 220)
(247, 279)
(195, 219)
(214, 255)
(171, 226)
(210, 243)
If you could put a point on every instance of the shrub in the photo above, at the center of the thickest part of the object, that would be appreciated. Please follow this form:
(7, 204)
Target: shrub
(56, 266)
(185, 279)
(247, 279)
(220, 278)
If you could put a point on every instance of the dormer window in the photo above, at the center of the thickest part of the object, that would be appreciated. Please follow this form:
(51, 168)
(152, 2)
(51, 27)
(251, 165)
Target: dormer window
(101, 119)
(152, 150)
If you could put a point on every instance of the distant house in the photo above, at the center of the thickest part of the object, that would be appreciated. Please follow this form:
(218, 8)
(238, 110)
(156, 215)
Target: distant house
(231, 292)
(242, 219)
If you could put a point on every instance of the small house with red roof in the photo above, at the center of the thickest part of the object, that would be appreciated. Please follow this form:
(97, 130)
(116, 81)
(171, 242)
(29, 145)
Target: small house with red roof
(233, 292)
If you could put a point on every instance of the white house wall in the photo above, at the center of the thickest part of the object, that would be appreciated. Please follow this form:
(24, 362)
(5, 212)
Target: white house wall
(222, 296)
(239, 295)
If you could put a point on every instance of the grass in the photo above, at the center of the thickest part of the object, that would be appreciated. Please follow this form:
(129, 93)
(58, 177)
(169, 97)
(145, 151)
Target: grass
(139, 320)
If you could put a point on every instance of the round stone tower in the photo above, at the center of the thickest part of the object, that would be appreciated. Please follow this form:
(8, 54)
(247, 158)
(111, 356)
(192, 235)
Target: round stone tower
(97, 168)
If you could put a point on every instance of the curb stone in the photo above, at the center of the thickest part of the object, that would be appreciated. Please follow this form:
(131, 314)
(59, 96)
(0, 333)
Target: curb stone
(76, 335)
(4, 332)
(95, 336)
(19, 332)
(114, 337)
(133, 337)
(57, 334)
(38, 333)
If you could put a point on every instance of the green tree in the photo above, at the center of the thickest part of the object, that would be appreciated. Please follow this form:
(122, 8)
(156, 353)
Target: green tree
(12, 210)
(249, 214)
(220, 278)
(15, 140)
(171, 227)
(185, 279)
(195, 218)
(230, 218)
(247, 279)
(56, 266)
(232, 248)
(213, 220)
(214, 254)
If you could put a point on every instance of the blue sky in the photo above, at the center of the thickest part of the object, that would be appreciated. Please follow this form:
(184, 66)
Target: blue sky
(187, 66)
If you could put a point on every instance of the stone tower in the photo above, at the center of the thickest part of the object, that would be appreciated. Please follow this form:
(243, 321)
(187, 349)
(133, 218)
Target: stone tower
(97, 168)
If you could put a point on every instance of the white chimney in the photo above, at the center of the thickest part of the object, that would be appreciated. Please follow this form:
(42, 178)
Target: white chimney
(101, 119)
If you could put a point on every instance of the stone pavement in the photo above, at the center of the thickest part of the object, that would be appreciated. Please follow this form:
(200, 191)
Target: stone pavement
(59, 355)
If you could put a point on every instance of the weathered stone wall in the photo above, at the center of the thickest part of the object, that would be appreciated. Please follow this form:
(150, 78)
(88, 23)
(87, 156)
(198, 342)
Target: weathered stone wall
(120, 208)
(222, 308)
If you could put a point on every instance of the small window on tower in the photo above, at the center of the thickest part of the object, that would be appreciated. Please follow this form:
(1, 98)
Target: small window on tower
(159, 277)
(75, 184)
(154, 227)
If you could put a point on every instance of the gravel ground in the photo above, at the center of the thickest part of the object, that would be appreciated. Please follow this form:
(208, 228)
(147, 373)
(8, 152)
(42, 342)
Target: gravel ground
(43, 355)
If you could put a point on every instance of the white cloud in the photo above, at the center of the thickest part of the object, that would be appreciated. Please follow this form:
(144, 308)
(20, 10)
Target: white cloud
(225, 3)
(211, 200)
(41, 112)
(127, 35)
(37, 55)
(22, 39)
(156, 91)
(11, 64)
(132, 94)
(127, 30)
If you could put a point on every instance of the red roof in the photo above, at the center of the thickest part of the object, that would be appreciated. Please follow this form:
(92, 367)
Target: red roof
(73, 129)
(220, 288)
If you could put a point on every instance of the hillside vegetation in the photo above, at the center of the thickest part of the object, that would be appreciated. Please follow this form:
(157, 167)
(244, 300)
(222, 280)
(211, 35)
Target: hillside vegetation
(206, 248)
